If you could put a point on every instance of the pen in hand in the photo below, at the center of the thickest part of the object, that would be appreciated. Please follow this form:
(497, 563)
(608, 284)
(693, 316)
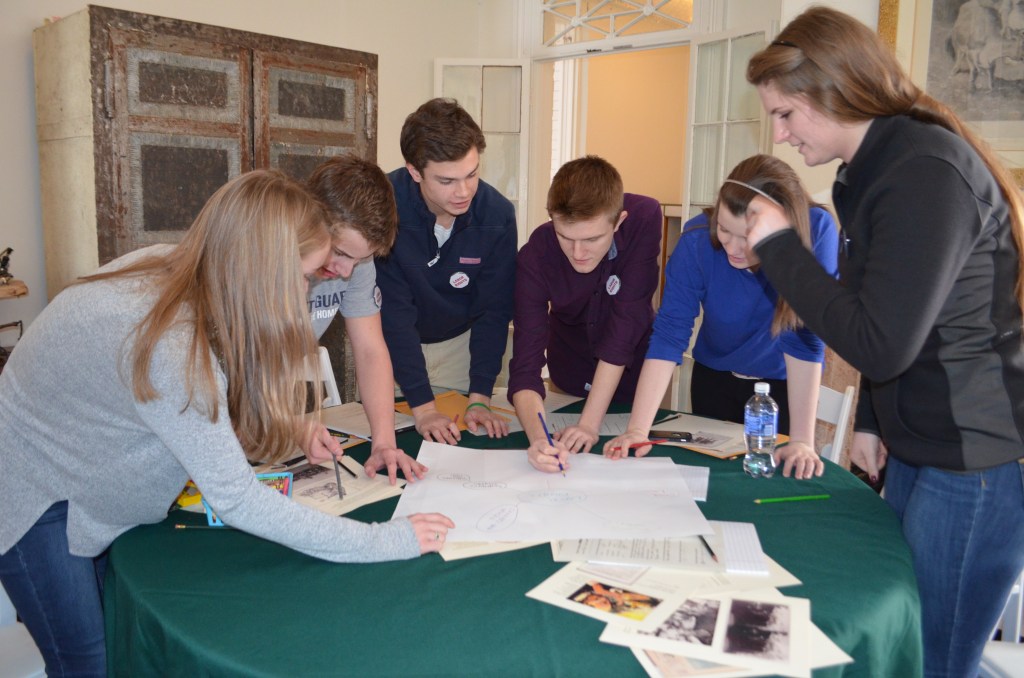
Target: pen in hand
(544, 425)
(337, 476)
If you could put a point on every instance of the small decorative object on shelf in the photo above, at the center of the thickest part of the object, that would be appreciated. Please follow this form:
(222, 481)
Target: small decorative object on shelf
(5, 261)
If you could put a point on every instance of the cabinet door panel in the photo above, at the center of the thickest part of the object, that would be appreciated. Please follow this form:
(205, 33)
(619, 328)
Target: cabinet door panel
(308, 109)
(179, 117)
(173, 175)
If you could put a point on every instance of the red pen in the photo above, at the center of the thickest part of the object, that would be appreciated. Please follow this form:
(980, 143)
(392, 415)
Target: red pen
(649, 442)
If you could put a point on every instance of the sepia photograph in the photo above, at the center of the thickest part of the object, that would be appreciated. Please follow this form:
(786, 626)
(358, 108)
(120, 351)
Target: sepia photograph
(692, 622)
(758, 629)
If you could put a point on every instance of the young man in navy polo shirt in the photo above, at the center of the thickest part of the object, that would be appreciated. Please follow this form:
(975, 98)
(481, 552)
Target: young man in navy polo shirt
(447, 284)
(584, 284)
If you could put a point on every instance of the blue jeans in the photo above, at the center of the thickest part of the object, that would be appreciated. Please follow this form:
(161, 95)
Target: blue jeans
(966, 533)
(58, 596)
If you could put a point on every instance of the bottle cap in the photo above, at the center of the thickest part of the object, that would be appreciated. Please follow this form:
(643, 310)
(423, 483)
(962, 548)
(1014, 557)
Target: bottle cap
(762, 388)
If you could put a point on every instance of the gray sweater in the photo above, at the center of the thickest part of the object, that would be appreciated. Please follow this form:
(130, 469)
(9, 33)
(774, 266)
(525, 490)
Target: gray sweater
(70, 429)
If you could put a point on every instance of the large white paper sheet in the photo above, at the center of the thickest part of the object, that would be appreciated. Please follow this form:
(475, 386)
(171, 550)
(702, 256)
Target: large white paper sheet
(495, 495)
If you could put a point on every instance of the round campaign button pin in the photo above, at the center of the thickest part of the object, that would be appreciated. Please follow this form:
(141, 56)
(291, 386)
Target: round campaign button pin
(376, 296)
(613, 285)
(458, 280)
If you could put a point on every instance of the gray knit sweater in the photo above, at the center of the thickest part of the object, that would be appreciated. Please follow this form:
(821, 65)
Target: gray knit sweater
(71, 429)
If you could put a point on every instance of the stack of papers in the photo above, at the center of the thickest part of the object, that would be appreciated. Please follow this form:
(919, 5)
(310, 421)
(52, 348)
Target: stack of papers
(495, 495)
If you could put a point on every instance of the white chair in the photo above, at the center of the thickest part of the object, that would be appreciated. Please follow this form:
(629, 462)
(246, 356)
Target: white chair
(834, 408)
(19, 656)
(1005, 658)
(319, 371)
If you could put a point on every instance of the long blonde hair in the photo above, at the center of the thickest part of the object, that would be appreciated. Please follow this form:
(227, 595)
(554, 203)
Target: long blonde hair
(843, 69)
(236, 279)
(777, 179)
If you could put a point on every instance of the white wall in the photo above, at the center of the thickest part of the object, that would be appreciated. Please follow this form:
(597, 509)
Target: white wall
(405, 34)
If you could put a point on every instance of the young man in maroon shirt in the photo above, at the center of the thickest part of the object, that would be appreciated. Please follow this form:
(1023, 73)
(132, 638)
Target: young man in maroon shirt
(584, 284)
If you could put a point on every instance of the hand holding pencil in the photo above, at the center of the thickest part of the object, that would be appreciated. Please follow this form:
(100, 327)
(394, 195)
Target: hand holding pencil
(546, 454)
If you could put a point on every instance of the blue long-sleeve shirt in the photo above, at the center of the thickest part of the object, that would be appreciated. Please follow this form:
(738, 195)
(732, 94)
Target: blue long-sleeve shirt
(469, 287)
(735, 335)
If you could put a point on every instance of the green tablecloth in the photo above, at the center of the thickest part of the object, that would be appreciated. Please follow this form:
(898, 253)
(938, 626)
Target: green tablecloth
(225, 603)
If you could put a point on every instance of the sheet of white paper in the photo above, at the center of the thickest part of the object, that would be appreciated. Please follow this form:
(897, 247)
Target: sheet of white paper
(687, 553)
(696, 478)
(495, 495)
(611, 425)
(552, 402)
(743, 554)
(472, 549)
(350, 418)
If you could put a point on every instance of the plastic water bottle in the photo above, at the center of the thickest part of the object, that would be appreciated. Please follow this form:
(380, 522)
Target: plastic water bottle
(760, 424)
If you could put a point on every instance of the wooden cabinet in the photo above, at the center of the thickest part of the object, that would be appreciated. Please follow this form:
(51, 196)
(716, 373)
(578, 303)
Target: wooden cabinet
(141, 118)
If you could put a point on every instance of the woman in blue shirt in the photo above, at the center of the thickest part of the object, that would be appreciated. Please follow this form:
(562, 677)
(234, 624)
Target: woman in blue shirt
(748, 332)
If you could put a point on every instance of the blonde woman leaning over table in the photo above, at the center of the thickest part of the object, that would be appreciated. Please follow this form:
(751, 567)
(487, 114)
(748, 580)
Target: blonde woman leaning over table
(747, 329)
(929, 310)
(170, 363)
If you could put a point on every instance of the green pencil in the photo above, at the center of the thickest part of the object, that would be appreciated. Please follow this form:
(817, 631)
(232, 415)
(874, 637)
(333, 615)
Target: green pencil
(805, 497)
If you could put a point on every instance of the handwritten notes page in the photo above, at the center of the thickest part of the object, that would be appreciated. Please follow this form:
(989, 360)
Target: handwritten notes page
(495, 495)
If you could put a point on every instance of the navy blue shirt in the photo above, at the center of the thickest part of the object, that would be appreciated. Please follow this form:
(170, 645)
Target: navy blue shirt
(468, 287)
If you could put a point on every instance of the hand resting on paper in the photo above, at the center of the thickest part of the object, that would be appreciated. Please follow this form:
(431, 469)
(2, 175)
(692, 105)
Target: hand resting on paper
(618, 447)
(391, 458)
(799, 459)
(431, 530)
(545, 457)
(494, 425)
(435, 426)
(577, 438)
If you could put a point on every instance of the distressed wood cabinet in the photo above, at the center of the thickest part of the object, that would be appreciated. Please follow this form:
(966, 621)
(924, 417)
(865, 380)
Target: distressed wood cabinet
(141, 118)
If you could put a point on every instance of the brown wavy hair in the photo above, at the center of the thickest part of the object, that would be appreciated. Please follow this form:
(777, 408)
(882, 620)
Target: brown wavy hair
(358, 195)
(844, 70)
(439, 131)
(235, 280)
(777, 179)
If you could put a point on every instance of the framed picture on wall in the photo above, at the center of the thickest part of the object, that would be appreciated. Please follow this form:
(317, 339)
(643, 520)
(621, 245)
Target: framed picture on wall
(968, 54)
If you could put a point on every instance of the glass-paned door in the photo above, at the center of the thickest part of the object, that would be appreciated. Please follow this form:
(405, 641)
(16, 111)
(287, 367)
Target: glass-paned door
(495, 93)
(726, 121)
